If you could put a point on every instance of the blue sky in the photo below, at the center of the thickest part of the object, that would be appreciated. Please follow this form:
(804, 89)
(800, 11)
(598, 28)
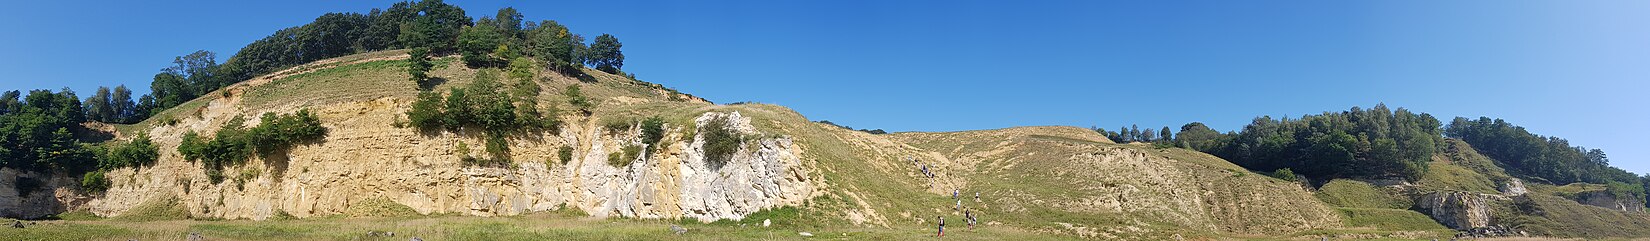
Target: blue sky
(1574, 69)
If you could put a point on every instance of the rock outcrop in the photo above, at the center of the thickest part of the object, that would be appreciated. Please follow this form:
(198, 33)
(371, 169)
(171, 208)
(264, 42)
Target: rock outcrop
(1513, 187)
(1606, 199)
(365, 159)
(1457, 210)
(29, 195)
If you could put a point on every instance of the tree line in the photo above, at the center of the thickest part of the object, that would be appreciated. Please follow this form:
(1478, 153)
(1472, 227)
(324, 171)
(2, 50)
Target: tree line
(1384, 143)
(1132, 133)
(1545, 158)
(429, 27)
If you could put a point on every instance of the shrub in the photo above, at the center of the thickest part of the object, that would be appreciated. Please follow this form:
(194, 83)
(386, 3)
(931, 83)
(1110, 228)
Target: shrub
(577, 99)
(234, 143)
(458, 110)
(279, 132)
(191, 146)
(463, 151)
(565, 153)
(94, 181)
(616, 125)
(497, 148)
(426, 111)
(653, 129)
(139, 151)
(1286, 174)
(246, 175)
(228, 147)
(625, 155)
(720, 141)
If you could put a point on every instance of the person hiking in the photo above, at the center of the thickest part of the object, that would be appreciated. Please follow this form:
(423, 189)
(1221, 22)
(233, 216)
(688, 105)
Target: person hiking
(976, 196)
(942, 225)
(968, 217)
(958, 207)
(954, 193)
(973, 219)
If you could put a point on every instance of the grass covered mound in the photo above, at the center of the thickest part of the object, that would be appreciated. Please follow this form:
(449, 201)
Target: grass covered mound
(1389, 219)
(1357, 194)
(379, 207)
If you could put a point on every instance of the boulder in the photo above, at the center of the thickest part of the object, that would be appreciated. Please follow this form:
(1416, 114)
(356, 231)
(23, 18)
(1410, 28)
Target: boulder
(1457, 210)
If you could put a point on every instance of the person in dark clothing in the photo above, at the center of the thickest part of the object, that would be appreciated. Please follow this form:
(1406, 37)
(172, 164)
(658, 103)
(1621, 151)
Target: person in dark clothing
(942, 225)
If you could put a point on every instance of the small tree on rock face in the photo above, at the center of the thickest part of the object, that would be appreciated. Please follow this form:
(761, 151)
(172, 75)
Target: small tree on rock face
(575, 98)
(426, 111)
(418, 65)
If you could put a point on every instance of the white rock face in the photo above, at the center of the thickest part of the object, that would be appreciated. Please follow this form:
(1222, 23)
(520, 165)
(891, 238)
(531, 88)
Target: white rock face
(1514, 187)
(1458, 210)
(756, 177)
(364, 158)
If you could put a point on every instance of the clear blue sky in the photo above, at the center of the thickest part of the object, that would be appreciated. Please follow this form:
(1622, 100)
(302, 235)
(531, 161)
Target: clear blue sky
(1574, 69)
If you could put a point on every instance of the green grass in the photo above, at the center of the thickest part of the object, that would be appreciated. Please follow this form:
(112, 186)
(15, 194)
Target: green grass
(78, 215)
(1389, 219)
(1449, 177)
(528, 227)
(1569, 191)
(353, 82)
(379, 207)
(157, 208)
(1370, 234)
(1550, 215)
(58, 231)
(1357, 194)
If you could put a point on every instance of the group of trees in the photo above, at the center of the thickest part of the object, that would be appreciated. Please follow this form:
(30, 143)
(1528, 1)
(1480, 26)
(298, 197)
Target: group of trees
(871, 131)
(37, 134)
(190, 76)
(114, 106)
(1377, 142)
(498, 40)
(484, 104)
(234, 144)
(1551, 159)
(1372, 143)
(1133, 133)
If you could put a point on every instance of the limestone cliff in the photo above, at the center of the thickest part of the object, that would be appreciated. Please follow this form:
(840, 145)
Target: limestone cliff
(366, 158)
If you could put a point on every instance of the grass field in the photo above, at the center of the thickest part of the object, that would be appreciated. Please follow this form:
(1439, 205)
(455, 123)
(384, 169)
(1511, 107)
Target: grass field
(542, 226)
